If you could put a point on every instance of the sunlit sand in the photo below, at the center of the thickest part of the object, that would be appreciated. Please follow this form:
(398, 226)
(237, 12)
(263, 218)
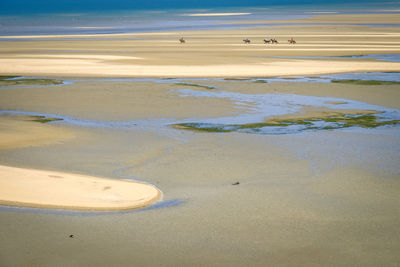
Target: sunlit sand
(48, 189)
(212, 53)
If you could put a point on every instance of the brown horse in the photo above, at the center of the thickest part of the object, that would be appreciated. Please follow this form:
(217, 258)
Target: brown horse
(246, 41)
(182, 41)
(291, 41)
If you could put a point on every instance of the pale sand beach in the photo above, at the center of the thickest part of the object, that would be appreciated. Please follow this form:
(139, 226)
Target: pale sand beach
(211, 53)
(305, 198)
(48, 189)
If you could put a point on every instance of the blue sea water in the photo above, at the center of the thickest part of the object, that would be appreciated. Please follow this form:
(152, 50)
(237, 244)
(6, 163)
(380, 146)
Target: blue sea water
(42, 17)
(68, 6)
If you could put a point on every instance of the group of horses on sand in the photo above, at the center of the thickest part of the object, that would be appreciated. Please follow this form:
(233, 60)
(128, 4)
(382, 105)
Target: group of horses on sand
(270, 41)
(247, 41)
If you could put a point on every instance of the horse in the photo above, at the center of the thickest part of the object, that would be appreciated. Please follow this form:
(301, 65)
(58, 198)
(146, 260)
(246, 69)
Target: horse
(291, 41)
(267, 41)
(274, 41)
(246, 41)
(182, 41)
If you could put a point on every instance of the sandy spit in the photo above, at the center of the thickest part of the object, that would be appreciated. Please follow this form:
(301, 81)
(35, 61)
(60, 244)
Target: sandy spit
(49, 189)
(94, 68)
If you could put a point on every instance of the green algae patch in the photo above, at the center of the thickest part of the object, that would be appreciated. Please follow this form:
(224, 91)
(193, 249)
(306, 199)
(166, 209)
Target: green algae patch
(29, 81)
(365, 82)
(344, 121)
(203, 127)
(44, 119)
(335, 102)
(196, 85)
(364, 121)
(328, 122)
(8, 77)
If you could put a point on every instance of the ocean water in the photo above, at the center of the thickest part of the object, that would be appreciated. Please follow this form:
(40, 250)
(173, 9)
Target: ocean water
(44, 17)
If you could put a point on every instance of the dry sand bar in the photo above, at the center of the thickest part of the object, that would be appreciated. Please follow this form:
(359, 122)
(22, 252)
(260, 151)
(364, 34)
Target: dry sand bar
(48, 189)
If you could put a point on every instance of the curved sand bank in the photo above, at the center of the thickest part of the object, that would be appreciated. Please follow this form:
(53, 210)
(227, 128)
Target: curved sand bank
(48, 189)
(93, 68)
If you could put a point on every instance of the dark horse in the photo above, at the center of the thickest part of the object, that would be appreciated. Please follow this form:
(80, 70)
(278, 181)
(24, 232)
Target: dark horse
(182, 41)
(291, 41)
(246, 41)
(270, 41)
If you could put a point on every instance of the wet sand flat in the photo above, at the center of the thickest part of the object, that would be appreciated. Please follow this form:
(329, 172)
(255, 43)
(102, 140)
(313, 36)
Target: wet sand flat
(320, 198)
(113, 100)
(21, 131)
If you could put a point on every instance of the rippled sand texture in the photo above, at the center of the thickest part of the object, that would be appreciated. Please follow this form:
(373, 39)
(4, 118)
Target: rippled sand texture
(320, 198)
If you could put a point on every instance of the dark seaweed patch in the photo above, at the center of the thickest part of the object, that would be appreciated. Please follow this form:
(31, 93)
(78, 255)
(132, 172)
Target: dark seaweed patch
(326, 123)
(365, 82)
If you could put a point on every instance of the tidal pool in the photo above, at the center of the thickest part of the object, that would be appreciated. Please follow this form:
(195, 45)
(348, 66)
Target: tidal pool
(264, 114)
